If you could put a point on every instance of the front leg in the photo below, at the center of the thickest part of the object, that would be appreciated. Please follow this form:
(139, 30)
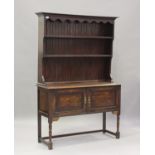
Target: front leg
(51, 102)
(39, 128)
(118, 124)
(39, 117)
(50, 144)
(104, 122)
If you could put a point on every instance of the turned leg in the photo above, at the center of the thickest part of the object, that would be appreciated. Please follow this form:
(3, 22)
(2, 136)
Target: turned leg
(50, 145)
(51, 102)
(118, 124)
(104, 122)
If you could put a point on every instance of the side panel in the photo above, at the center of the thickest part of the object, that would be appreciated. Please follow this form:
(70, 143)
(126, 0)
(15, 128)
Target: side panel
(43, 100)
(40, 46)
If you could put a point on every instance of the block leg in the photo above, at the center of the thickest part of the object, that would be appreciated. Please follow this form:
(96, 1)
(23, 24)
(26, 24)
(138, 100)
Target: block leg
(104, 122)
(104, 130)
(118, 124)
(39, 128)
(39, 118)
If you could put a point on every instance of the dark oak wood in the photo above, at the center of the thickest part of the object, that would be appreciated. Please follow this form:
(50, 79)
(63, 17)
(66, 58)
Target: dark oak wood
(75, 84)
(75, 56)
(104, 122)
(39, 117)
(74, 70)
(72, 134)
(77, 37)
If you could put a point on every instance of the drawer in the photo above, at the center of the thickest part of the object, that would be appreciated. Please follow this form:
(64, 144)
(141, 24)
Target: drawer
(70, 101)
(102, 98)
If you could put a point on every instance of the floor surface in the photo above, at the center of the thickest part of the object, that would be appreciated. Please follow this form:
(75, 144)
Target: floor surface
(88, 144)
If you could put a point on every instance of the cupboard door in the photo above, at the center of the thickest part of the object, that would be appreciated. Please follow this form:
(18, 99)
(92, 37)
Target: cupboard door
(70, 101)
(103, 99)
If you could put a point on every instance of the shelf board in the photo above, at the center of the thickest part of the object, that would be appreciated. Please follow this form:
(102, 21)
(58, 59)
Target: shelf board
(77, 84)
(77, 56)
(78, 37)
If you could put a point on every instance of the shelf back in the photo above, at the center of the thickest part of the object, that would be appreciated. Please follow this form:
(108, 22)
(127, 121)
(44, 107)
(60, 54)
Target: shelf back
(76, 69)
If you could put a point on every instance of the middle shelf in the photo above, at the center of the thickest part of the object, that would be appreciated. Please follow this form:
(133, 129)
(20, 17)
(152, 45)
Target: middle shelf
(75, 55)
(78, 37)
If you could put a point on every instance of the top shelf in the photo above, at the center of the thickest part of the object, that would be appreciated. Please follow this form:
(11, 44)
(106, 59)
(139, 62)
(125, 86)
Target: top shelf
(78, 37)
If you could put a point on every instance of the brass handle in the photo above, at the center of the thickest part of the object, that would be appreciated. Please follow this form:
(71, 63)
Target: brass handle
(85, 99)
(89, 101)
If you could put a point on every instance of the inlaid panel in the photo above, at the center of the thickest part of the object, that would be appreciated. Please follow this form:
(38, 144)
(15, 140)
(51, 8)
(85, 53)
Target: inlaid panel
(70, 101)
(101, 98)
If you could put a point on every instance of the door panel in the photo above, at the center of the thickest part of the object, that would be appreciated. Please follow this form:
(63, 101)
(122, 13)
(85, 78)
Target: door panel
(101, 98)
(70, 101)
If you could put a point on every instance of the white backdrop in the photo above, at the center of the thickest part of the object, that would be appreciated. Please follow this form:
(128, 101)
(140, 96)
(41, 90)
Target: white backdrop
(125, 63)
